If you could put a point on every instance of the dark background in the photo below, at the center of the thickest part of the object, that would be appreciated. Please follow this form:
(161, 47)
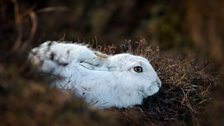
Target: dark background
(175, 26)
(171, 24)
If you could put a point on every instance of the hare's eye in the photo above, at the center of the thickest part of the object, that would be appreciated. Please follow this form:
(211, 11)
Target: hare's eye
(138, 69)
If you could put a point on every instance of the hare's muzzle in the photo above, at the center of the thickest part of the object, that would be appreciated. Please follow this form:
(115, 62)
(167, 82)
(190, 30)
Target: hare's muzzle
(153, 87)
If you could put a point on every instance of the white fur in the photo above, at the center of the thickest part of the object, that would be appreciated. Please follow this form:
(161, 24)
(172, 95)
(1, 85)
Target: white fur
(103, 81)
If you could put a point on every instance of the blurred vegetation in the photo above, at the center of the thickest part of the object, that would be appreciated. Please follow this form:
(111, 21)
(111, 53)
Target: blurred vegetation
(191, 63)
(110, 21)
(25, 100)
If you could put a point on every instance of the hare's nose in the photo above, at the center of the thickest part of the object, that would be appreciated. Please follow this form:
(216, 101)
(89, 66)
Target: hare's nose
(159, 83)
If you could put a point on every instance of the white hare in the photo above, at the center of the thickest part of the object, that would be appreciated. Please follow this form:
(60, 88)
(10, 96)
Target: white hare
(122, 80)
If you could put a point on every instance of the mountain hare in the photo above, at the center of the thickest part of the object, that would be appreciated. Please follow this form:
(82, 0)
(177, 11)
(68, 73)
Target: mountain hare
(105, 81)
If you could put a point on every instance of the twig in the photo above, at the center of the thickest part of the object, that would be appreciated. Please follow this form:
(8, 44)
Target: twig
(18, 24)
(54, 8)
(34, 22)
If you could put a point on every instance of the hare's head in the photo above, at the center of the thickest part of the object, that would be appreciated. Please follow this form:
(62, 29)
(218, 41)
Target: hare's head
(135, 73)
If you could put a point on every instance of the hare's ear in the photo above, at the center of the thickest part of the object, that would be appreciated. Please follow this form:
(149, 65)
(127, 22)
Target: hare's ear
(112, 68)
(87, 66)
(93, 64)
(93, 61)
